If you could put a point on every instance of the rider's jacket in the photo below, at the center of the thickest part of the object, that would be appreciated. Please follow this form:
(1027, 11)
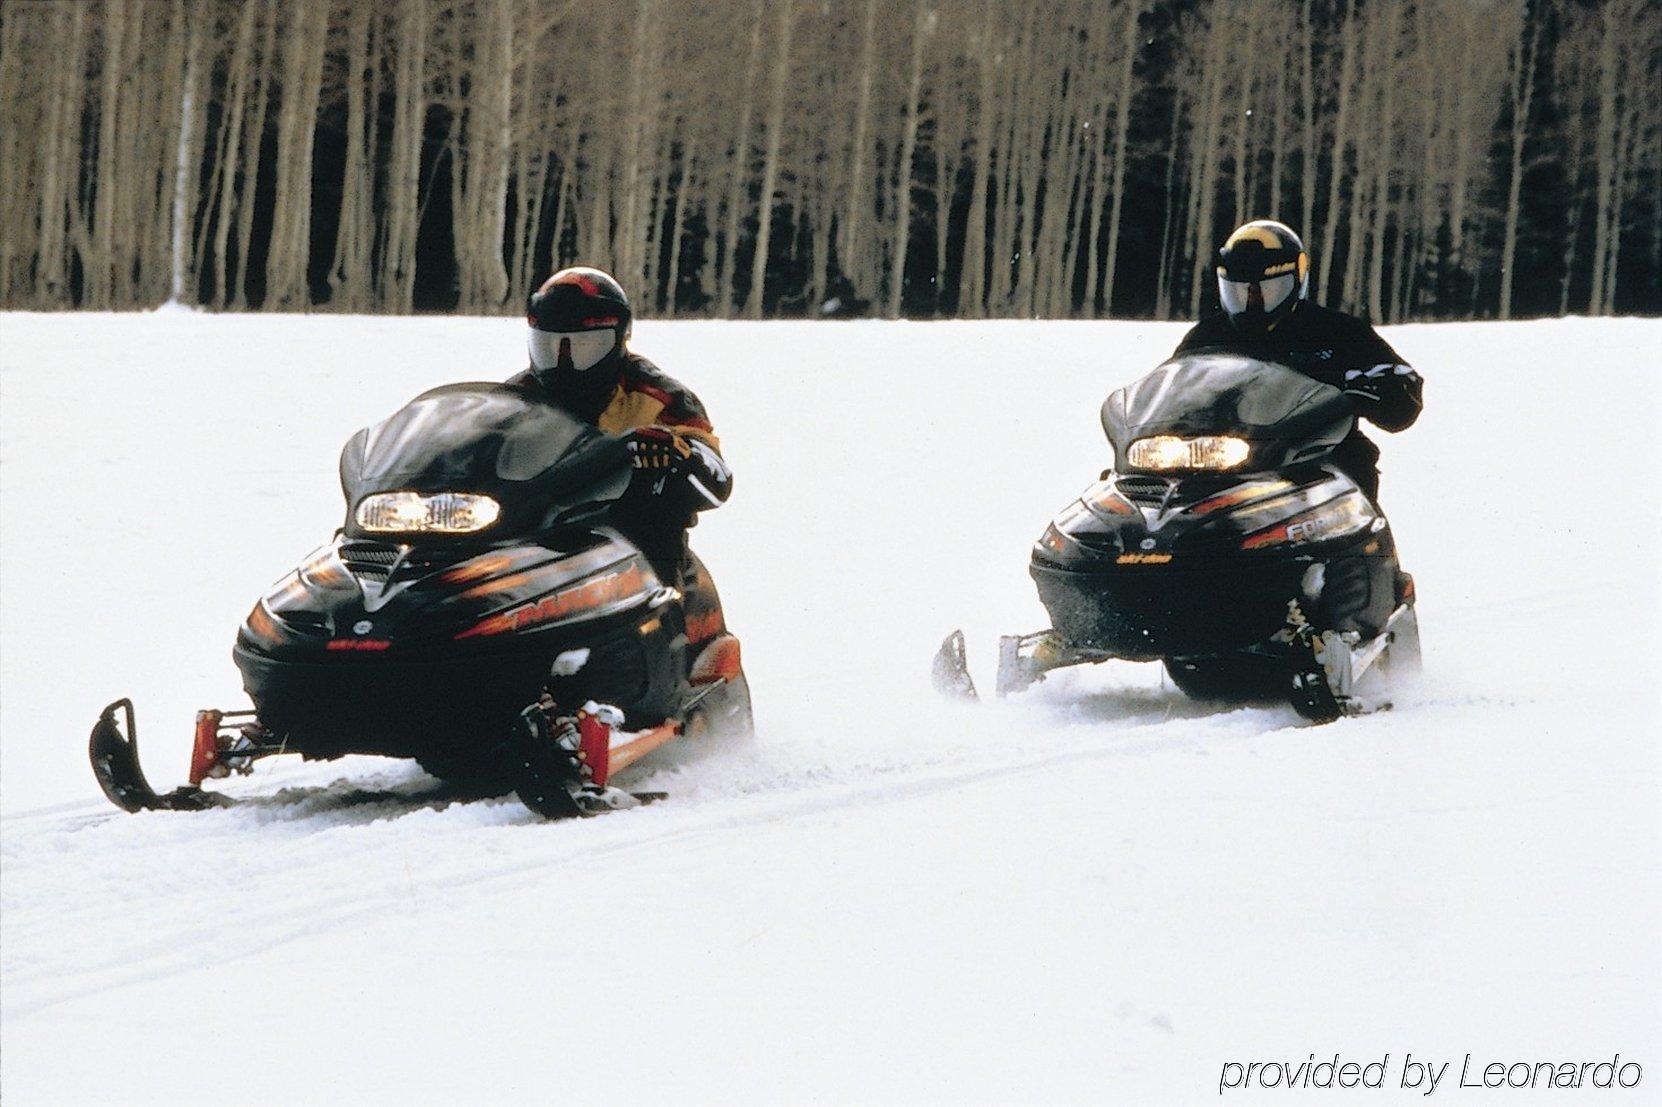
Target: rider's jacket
(1336, 349)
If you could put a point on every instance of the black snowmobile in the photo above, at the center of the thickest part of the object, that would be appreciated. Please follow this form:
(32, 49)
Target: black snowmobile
(476, 575)
(1225, 545)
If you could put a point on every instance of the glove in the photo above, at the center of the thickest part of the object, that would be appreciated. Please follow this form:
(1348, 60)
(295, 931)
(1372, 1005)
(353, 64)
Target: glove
(1368, 385)
(685, 468)
(657, 448)
(1365, 386)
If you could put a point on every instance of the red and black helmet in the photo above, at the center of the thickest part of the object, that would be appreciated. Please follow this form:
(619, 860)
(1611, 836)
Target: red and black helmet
(580, 320)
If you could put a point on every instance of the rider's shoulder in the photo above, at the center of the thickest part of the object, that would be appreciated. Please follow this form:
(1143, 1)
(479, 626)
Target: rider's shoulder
(643, 375)
(1334, 321)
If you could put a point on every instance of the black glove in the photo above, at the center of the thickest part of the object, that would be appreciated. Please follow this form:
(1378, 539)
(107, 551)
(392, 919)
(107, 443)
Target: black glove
(1367, 386)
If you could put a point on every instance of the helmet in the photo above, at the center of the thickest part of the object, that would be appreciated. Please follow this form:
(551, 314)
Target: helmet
(1263, 272)
(580, 321)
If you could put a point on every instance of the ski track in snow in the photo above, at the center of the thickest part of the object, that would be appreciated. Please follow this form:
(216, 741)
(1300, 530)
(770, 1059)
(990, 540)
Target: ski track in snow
(1477, 867)
(298, 829)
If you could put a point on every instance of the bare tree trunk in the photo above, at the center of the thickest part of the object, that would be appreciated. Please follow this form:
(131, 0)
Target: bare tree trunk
(644, 67)
(1204, 178)
(287, 263)
(739, 173)
(1246, 76)
(354, 238)
(398, 257)
(1523, 92)
(1307, 182)
(971, 297)
(948, 158)
(231, 155)
(492, 154)
(99, 274)
(908, 147)
(1122, 128)
(533, 191)
(1626, 140)
(1341, 136)
(1057, 247)
(1017, 144)
(854, 219)
(185, 165)
(61, 157)
(1377, 300)
(25, 114)
(683, 198)
(252, 162)
(1278, 132)
(1169, 234)
(770, 163)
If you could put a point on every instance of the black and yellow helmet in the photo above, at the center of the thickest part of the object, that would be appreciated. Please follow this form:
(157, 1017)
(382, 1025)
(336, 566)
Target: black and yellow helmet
(1263, 272)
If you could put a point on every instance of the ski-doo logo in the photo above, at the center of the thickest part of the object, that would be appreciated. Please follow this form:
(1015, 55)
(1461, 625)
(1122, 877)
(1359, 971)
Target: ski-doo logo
(1142, 559)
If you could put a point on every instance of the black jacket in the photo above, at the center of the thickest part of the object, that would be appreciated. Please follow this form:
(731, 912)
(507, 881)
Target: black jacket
(1326, 345)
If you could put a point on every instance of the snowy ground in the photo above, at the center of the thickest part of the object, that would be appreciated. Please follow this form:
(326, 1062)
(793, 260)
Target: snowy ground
(1096, 892)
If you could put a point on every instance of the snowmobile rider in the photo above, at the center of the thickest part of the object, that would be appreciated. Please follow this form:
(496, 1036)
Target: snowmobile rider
(580, 321)
(579, 326)
(1263, 288)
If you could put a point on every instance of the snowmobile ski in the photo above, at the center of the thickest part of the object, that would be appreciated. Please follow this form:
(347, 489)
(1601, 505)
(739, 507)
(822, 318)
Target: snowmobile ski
(950, 671)
(113, 749)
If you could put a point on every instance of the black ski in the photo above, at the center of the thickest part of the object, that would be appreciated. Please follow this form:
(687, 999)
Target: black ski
(113, 749)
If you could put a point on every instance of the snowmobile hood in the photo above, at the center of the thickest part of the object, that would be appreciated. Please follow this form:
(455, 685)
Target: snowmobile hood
(1286, 416)
(536, 460)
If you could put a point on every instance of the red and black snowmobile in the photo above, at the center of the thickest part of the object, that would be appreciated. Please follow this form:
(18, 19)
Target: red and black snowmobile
(476, 575)
(1225, 543)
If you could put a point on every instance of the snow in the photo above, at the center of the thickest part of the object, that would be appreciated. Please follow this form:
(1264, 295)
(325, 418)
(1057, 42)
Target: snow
(1096, 891)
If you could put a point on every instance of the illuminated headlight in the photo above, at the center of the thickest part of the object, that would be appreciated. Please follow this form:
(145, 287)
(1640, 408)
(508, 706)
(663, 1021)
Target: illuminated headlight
(1209, 451)
(435, 513)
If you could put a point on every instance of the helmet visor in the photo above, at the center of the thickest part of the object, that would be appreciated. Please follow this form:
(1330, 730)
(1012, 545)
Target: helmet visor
(1273, 292)
(580, 350)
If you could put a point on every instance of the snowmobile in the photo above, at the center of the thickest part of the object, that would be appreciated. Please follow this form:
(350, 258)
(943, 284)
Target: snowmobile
(476, 575)
(1226, 545)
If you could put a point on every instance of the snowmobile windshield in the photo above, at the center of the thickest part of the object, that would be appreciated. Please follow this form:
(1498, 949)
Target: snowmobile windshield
(1279, 414)
(535, 461)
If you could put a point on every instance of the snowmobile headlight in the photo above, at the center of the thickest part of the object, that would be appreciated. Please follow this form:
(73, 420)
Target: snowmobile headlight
(427, 513)
(1207, 451)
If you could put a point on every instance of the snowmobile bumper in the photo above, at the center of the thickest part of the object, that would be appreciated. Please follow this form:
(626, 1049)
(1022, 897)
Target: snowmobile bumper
(1147, 612)
(398, 709)
(455, 707)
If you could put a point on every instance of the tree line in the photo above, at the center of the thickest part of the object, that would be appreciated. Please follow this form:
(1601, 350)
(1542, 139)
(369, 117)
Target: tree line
(761, 158)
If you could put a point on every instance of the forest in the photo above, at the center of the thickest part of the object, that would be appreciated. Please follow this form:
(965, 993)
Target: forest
(1443, 159)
